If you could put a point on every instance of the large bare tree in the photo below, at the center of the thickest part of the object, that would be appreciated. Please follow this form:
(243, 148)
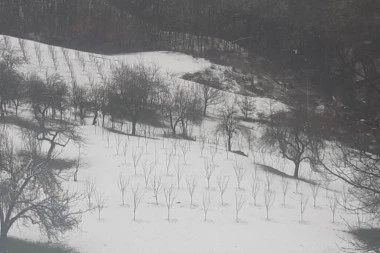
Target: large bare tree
(31, 190)
(182, 106)
(229, 124)
(293, 135)
(135, 92)
(210, 96)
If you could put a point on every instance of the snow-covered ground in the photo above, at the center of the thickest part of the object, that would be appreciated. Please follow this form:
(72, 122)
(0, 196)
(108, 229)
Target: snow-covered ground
(186, 231)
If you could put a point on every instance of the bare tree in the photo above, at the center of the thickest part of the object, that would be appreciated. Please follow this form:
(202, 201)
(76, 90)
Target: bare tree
(269, 197)
(147, 170)
(191, 185)
(239, 173)
(314, 190)
(255, 187)
(179, 173)
(31, 191)
(268, 180)
(136, 156)
(53, 55)
(333, 204)
(202, 142)
(118, 143)
(284, 188)
(222, 185)
(90, 187)
(303, 203)
(298, 182)
(170, 197)
(122, 184)
(24, 52)
(100, 203)
(185, 149)
(156, 186)
(229, 125)
(206, 202)
(182, 106)
(37, 49)
(125, 151)
(210, 96)
(239, 203)
(168, 160)
(135, 90)
(209, 169)
(247, 106)
(11, 84)
(78, 163)
(293, 137)
(137, 196)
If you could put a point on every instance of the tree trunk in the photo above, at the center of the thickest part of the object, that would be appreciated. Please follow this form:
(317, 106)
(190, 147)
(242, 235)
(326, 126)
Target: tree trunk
(50, 152)
(296, 169)
(134, 127)
(3, 239)
(94, 121)
(2, 109)
(229, 143)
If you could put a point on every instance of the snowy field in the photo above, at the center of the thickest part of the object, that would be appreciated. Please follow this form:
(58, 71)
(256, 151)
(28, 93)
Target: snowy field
(141, 161)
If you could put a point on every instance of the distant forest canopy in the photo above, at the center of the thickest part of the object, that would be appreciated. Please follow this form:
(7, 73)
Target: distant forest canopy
(335, 44)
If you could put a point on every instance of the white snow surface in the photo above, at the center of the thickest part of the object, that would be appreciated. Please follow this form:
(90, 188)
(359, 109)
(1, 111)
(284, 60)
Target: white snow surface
(186, 232)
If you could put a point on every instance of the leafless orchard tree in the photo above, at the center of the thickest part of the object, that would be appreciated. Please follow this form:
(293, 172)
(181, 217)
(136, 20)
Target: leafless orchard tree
(168, 160)
(206, 203)
(125, 151)
(90, 188)
(333, 204)
(37, 49)
(191, 184)
(78, 163)
(137, 196)
(239, 173)
(209, 169)
(156, 186)
(314, 190)
(53, 55)
(222, 185)
(303, 203)
(213, 152)
(285, 189)
(147, 171)
(239, 203)
(170, 196)
(100, 203)
(179, 169)
(136, 156)
(185, 148)
(268, 180)
(255, 187)
(117, 142)
(122, 184)
(23, 48)
(269, 197)
(202, 141)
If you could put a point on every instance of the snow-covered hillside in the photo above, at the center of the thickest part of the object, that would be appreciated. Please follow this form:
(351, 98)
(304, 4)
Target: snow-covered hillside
(108, 155)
